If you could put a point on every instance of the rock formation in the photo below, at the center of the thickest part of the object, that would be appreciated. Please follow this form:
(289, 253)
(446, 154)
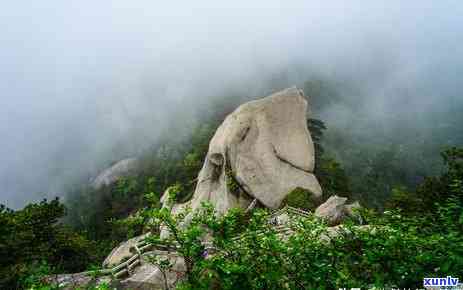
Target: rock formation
(110, 175)
(121, 252)
(262, 151)
(335, 209)
(149, 276)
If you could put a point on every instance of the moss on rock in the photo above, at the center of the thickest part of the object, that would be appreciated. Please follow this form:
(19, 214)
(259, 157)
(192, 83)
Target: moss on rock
(300, 198)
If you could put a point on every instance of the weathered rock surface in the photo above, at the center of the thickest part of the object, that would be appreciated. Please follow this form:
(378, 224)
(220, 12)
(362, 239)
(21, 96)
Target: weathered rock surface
(110, 175)
(332, 210)
(122, 252)
(149, 276)
(262, 151)
(335, 209)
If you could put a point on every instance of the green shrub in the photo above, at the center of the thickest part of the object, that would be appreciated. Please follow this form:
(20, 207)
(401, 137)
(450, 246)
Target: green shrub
(33, 242)
(232, 184)
(393, 251)
(300, 198)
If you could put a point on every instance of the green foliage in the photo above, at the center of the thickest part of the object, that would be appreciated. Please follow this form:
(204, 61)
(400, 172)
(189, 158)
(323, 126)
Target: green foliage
(453, 178)
(316, 128)
(152, 199)
(333, 178)
(32, 238)
(300, 198)
(422, 238)
(380, 151)
(174, 191)
(433, 189)
(128, 227)
(109, 214)
(232, 184)
(169, 162)
(33, 278)
(189, 236)
(331, 175)
(406, 200)
(164, 265)
(393, 251)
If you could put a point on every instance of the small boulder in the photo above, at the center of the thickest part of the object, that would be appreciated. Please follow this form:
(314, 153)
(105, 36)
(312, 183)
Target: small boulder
(149, 275)
(335, 209)
(332, 210)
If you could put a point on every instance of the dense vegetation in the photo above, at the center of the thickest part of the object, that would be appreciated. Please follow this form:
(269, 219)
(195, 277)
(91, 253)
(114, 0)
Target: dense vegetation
(419, 234)
(396, 249)
(32, 240)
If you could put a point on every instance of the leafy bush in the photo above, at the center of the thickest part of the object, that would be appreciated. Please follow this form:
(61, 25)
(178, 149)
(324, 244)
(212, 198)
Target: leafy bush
(330, 173)
(300, 198)
(396, 249)
(393, 251)
(232, 184)
(33, 237)
(433, 189)
(333, 178)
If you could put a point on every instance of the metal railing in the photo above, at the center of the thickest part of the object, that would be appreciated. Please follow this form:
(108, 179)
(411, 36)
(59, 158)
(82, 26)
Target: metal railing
(290, 210)
(141, 247)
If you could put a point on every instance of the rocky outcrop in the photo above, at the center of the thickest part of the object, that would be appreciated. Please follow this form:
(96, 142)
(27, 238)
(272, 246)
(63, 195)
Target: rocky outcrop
(121, 252)
(335, 209)
(123, 168)
(150, 276)
(262, 151)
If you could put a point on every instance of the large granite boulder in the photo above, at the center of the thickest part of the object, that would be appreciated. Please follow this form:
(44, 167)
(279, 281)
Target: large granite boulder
(123, 168)
(263, 150)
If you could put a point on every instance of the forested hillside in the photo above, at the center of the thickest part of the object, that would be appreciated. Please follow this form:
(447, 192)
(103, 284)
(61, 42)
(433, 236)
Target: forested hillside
(416, 178)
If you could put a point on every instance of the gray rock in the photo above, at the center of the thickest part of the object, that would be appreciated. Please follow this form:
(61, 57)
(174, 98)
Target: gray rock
(121, 252)
(332, 210)
(335, 209)
(262, 151)
(123, 168)
(149, 276)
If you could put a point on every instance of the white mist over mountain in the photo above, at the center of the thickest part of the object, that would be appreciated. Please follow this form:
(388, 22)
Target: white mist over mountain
(82, 82)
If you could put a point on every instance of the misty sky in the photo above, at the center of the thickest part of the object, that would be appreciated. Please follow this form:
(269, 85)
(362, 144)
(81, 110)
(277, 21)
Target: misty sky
(81, 78)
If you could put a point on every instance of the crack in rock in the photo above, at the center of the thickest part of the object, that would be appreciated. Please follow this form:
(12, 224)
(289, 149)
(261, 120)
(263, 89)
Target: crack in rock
(287, 162)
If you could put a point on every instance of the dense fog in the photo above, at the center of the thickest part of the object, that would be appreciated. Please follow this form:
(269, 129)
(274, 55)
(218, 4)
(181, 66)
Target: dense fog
(84, 83)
